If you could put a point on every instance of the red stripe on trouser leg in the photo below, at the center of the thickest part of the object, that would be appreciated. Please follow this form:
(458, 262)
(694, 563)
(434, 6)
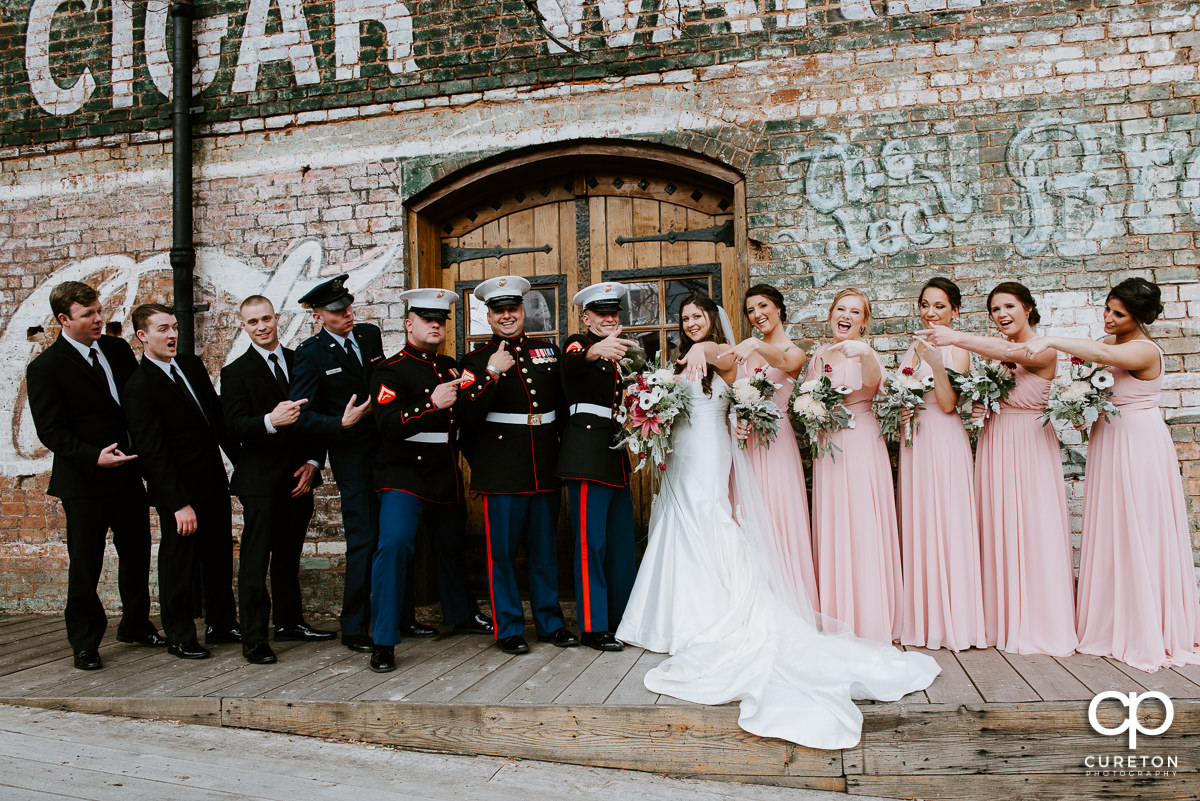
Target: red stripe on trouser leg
(487, 533)
(586, 624)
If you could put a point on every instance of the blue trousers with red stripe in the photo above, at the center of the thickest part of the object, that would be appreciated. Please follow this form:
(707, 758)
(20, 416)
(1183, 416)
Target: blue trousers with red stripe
(399, 514)
(508, 519)
(605, 563)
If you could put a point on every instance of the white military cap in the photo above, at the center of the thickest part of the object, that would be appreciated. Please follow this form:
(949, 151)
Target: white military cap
(505, 290)
(432, 304)
(603, 297)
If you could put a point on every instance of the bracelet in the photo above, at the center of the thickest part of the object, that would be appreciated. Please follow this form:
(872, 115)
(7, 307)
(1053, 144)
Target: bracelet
(495, 373)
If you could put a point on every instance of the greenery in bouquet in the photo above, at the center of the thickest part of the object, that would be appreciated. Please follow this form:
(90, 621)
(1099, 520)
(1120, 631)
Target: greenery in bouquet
(750, 399)
(987, 384)
(654, 401)
(902, 392)
(1081, 397)
(818, 407)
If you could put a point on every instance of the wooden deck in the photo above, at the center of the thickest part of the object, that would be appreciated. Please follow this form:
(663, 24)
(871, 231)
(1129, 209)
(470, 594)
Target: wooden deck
(993, 725)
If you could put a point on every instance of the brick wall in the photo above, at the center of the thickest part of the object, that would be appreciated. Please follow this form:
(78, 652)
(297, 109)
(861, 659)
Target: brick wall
(1057, 143)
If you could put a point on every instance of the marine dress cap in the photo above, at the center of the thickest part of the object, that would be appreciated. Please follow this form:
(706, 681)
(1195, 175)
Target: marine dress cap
(506, 290)
(604, 297)
(331, 295)
(431, 304)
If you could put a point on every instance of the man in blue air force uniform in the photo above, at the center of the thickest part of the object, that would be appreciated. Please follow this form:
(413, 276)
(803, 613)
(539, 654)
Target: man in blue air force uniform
(512, 406)
(417, 477)
(597, 476)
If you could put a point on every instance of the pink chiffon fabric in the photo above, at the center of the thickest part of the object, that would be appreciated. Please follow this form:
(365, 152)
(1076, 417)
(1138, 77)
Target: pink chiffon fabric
(1137, 586)
(1025, 535)
(855, 540)
(780, 475)
(941, 596)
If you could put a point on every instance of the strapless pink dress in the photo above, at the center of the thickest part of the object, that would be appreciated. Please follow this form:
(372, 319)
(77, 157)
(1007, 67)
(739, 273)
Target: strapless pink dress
(1137, 586)
(941, 597)
(855, 540)
(1025, 534)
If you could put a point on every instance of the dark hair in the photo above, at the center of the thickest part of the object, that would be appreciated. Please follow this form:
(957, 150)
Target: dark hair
(143, 313)
(946, 285)
(1021, 293)
(1141, 298)
(63, 296)
(715, 333)
(770, 293)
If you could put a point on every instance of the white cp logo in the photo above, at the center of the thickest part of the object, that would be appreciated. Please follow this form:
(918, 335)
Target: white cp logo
(1131, 724)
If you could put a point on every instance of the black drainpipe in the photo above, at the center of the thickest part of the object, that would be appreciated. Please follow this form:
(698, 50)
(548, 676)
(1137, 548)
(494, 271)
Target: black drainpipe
(183, 253)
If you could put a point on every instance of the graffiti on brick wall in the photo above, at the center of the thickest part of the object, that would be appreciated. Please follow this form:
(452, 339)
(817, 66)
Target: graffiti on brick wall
(119, 280)
(61, 81)
(1059, 200)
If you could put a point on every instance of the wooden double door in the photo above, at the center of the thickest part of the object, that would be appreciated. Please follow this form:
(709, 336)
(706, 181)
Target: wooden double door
(664, 232)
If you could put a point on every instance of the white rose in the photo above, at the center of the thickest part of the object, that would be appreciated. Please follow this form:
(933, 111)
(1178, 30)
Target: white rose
(1075, 391)
(809, 386)
(746, 394)
(663, 376)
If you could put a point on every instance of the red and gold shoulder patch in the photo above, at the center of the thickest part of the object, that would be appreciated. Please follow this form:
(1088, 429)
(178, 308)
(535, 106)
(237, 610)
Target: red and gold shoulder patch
(386, 395)
(575, 347)
(468, 379)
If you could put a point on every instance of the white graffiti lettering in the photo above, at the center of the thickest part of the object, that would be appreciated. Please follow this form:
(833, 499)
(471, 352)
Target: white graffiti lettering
(49, 94)
(293, 44)
(348, 17)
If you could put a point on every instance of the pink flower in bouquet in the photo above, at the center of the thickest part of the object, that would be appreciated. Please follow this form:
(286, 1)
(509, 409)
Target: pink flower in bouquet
(906, 371)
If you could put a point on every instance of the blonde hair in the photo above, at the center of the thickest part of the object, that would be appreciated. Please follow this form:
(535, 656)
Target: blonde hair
(847, 292)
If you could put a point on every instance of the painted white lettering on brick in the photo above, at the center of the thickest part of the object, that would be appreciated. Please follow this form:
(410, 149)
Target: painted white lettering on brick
(293, 44)
(208, 32)
(348, 16)
(122, 55)
(55, 99)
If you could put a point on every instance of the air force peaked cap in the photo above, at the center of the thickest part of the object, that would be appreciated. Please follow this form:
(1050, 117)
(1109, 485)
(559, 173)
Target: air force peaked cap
(431, 304)
(505, 290)
(331, 295)
(604, 297)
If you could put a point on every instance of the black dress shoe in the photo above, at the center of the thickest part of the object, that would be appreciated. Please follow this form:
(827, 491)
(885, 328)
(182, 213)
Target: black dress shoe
(601, 641)
(361, 643)
(478, 624)
(257, 652)
(418, 630)
(188, 650)
(302, 632)
(215, 636)
(383, 658)
(151, 639)
(87, 660)
(513, 645)
(563, 638)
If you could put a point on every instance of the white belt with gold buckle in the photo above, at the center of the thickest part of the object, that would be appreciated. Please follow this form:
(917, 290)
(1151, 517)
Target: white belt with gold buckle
(430, 437)
(593, 409)
(521, 419)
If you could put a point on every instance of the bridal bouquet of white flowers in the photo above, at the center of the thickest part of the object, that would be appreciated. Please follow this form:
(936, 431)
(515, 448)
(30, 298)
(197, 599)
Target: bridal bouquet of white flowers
(750, 400)
(818, 407)
(1080, 397)
(988, 383)
(902, 392)
(653, 402)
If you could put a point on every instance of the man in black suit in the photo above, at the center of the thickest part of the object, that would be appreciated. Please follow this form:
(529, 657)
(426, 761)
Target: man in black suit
(274, 480)
(75, 390)
(175, 419)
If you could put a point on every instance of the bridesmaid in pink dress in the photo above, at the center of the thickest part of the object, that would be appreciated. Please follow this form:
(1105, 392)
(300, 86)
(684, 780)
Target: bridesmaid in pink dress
(1025, 535)
(941, 598)
(1137, 587)
(854, 506)
(777, 466)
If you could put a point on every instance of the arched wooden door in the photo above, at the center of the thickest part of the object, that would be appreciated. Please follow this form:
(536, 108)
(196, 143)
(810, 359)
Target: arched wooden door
(665, 223)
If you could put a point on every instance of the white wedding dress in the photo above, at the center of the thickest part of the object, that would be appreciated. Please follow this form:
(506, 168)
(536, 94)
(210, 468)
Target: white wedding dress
(709, 593)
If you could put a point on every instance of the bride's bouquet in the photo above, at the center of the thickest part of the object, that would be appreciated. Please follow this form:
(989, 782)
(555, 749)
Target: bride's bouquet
(633, 362)
(750, 400)
(653, 403)
(819, 409)
(988, 384)
(1081, 397)
(902, 392)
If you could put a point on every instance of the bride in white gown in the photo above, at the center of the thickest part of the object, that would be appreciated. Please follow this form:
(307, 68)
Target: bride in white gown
(709, 593)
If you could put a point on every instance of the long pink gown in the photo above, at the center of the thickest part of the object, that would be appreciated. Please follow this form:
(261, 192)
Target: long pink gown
(854, 519)
(780, 475)
(941, 597)
(1025, 535)
(1137, 587)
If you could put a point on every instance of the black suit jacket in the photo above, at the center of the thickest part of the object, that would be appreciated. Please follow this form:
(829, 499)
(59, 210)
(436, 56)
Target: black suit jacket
(327, 376)
(249, 392)
(178, 447)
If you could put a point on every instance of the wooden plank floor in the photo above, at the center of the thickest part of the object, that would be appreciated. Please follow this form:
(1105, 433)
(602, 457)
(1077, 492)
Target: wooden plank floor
(459, 693)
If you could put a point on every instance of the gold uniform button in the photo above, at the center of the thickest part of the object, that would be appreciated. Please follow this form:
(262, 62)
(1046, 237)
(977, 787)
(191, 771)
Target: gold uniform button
(428, 405)
(535, 404)
(499, 436)
(528, 380)
(589, 427)
(533, 392)
(524, 369)
(427, 390)
(418, 458)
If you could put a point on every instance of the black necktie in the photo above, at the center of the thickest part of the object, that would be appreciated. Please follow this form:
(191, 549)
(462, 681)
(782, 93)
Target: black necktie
(94, 358)
(351, 351)
(280, 378)
(177, 377)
